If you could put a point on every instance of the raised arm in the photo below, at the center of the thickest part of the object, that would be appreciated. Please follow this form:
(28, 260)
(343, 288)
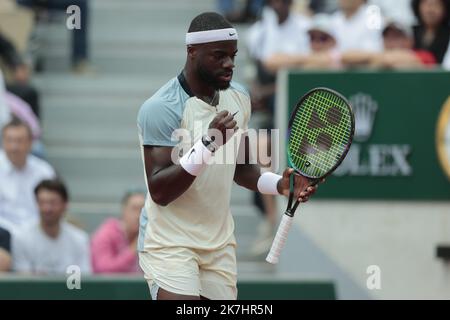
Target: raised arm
(167, 180)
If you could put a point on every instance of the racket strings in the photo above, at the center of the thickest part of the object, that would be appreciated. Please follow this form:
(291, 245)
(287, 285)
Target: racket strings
(317, 153)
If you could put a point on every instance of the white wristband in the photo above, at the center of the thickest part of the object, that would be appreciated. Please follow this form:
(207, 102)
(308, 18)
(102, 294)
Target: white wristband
(267, 183)
(196, 159)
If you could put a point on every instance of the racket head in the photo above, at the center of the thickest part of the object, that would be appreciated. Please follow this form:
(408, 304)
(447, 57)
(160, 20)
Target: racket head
(321, 130)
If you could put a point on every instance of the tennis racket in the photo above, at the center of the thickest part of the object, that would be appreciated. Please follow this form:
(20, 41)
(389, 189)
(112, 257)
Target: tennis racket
(320, 133)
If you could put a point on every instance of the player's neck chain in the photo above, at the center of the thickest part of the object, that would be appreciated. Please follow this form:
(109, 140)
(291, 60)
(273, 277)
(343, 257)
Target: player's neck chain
(214, 100)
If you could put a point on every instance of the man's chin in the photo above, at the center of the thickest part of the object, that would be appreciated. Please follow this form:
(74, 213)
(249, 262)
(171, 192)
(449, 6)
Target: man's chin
(222, 85)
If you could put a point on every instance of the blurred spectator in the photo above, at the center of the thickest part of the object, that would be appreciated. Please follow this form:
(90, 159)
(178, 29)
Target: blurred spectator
(113, 246)
(249, 13)
(22, 110)
(19, 81)
(5, 250)
(433, 31)
(79, 36)
(279, 31)
(398, 51)
(357, 26)
(13, 106)
(324, 52)
(51, 245)
(20, 172)
(398, 10)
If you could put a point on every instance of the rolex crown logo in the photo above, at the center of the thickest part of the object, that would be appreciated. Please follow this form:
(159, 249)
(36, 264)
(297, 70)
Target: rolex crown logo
(365, 109)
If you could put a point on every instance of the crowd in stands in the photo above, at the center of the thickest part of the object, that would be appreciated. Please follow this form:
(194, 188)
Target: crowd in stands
(334, 35)
(317, 34)
(34, 235)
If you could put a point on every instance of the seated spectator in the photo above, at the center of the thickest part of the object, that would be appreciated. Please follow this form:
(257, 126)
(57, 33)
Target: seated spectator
(324, 53)
(279, 31)
(433, 31)
(357, 27)
(19, 80)
(113, 246)
(20, 172)
(22, 111)
(5, 250)
(51, 245)
(398, 54)
(79, 36)
(398, 51)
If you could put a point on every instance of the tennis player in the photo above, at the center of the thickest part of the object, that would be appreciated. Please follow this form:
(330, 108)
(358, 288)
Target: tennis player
(186, 242)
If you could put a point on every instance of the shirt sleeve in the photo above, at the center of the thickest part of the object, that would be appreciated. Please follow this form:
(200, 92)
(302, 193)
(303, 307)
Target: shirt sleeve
(157, 120)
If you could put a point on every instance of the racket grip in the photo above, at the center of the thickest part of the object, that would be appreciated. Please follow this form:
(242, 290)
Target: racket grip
(280, 239)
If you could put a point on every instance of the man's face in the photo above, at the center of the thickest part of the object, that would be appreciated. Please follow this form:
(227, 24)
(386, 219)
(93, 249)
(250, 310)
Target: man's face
(432, 12)
(281, 7)
(17, 144)
(131, 212)
(215, 62)
(51, 206)
(396, 39)
(321, 41)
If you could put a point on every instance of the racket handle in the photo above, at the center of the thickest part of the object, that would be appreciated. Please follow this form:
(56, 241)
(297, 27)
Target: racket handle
(280, 239)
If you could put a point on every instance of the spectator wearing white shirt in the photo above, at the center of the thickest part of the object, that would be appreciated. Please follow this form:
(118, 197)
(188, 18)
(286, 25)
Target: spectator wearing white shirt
(51, 245)
(358, 26)
(398, 10)
(324, 54)
(279, 31)
(20, 172)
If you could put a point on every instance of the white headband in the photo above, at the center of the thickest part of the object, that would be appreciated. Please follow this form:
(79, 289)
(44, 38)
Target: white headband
(211, 36)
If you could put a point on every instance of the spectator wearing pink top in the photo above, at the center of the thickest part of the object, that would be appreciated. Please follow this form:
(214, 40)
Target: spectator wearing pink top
(113, 246)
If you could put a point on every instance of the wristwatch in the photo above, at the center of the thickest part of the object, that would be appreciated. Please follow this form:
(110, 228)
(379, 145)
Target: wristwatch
(209, 143)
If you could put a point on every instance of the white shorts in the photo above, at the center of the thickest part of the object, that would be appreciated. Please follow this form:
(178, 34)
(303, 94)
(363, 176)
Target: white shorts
(211, 274)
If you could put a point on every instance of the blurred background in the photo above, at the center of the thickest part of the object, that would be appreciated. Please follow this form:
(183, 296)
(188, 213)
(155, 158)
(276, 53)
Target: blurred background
(74, 74)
